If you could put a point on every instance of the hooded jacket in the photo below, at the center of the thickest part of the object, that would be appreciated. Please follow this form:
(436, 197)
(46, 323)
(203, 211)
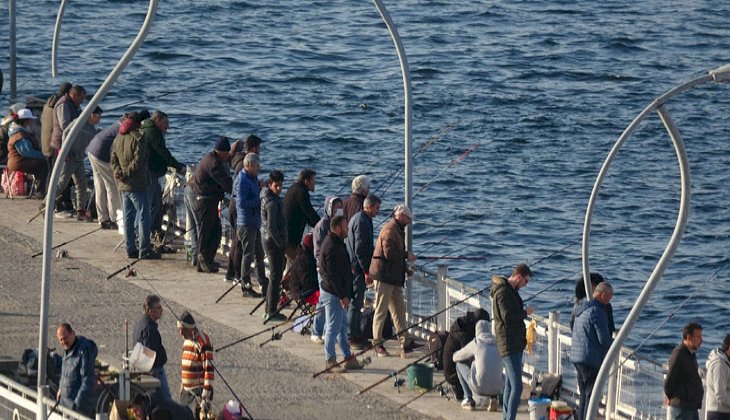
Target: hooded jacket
(322, 228)
(360, 243)
(211, 178)
(485, 374)
(78, 378)
(273, 225)
(334, 267)
(509, 317)
(591, 335)
(462, 331)
(718, 382)
(248, 201)
(160, 156)
(683, 385)
(389, 258)
(129, 158)
(298, 212)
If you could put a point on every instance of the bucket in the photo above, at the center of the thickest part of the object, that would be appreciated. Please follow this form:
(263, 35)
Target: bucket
(559, 410)
(420, 375)
(141, 359)
(538, 408)
(120, 221)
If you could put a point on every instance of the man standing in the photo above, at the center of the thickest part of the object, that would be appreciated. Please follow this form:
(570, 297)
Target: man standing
(129, 158)
(146, 332)
(509, 325)
(197, 367)
(717, 405)
(298, 211)
(47, 120)
(388, 272)
(78, 378)
(332, 207)
(248, 223)
(209, 183)
(683, 389)
(67, 109)
(273, 227)
(160, 158)
(591, 341)
(360, 246)
(335, 290)
(360, 190)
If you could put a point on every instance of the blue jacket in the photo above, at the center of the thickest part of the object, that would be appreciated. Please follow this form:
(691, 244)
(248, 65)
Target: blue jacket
(78, 378)
(360, 243)
(248, 203)
(591, 337)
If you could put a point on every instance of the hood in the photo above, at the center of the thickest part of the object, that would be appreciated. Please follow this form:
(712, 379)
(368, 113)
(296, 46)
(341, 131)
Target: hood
(581, 307)
(237, 162)
(717, 356)
(128, 125)
(497, 282)
(328, 203)
(148, 123)
(483, 332)
(14, 128)
(468, 321)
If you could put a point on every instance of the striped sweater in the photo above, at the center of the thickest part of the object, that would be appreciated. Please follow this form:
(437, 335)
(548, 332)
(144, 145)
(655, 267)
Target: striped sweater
(197, 363)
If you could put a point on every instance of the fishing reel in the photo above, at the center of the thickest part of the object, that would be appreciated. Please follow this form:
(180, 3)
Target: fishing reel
(366, 361)
(275, 335)
(61, 253)
(399, 382)
(443, 393)
(131, 272)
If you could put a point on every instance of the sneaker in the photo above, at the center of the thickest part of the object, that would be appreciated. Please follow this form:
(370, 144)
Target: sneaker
(381, 351)
(356, 344)
(353, 364)
(83, 216)
(247, 291)
(316, 339)
(467, 404)
(231, 278)
(204, 267)
(493, 405)
(274, 318)
(114, 226)
(106, 225)
(333, 367)
(410, 345)
(61, 214)
(133, 254)
(152, 255)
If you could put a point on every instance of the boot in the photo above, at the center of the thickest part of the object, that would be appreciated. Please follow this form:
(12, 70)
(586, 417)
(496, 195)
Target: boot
(338, 369)
(353, 364)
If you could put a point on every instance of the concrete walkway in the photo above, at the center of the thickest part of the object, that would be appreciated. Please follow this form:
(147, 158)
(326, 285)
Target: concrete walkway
(274, 381)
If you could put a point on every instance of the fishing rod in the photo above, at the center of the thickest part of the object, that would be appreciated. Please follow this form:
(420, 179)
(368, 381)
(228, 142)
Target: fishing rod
(277, 335)
(241, 340)
(428, 318)
(395, 373)
(449, 257)
(536, 263)
(191, 89)
(43, 208)
(71, 240)
(550, 286)
(129, 265)
(457, 251)
(456, 161)
(438, 385)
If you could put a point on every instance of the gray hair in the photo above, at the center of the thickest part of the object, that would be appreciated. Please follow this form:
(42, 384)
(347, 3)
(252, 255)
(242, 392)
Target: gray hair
(360, 184)
(603, 287)
(371, 200)
(250, 159)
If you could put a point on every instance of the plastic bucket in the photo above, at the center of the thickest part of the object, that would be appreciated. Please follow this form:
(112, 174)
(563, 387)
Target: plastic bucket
(420, 375)
(538, 408)
(559, 410)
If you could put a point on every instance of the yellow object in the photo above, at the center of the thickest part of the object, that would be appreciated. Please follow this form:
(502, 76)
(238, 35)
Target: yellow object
(531, 335)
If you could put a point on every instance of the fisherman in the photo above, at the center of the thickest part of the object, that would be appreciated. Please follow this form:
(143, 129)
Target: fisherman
(298, 211)
(147, 333)
(210, 182)
(76, 390)
(160, 158)
(24, 153)
(248, 223)
(73, 167)
(717, 403)
(196, 389)
(360, 246)
(683, 390)
(479, 369)
(591, 341)
(509, 325)
(335, 293)
(580, 295)
(273, 227)
(47, 121)
(332, 208)
(360, 190)
(303, 274)
(129, 159)
(388, 270)
(461, 333)
(67, 109)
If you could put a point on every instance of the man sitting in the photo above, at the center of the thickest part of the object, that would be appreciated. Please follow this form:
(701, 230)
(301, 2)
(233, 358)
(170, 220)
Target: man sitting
(479, 368)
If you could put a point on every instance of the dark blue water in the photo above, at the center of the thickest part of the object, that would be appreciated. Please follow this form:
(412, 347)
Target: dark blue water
(542, 88)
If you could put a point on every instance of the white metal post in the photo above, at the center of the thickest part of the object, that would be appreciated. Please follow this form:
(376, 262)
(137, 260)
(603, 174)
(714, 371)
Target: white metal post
(443, 295)
(56, 35)
(11, 47)
(553, 347)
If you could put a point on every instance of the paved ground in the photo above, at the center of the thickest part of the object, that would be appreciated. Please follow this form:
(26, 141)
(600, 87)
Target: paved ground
(274, 381)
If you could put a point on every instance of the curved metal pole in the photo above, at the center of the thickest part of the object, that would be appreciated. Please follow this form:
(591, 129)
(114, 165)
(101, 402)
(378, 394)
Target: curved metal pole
(56, 35)
(11, 48)
(408, 110)
(53, 186)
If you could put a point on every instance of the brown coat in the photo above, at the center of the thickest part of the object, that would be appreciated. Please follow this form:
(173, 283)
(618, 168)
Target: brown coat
(389, 258)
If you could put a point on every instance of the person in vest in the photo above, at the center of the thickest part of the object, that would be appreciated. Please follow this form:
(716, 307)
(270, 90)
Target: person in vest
(197, 374)
(47, 120)
(67, 109)
(24, 153)
(76, 389)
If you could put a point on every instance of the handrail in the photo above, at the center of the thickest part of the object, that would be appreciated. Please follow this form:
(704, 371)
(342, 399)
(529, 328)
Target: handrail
(12, 62)
(56, 35)
(53, 186)
(658, 105)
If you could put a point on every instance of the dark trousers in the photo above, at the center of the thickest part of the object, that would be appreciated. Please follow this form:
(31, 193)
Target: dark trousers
(155, 192)
(236, 252)
(586, 379)
(276, 270)
(717, 415)
(209, 228)
(253, 250)
(354, 311)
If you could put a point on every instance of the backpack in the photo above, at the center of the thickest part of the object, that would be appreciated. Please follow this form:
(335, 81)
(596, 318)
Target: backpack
(436, 342)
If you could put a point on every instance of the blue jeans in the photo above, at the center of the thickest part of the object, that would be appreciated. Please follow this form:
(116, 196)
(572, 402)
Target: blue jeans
(335, 327)
(462, 371)
(354, 312)
(318, 323)
(512, 385)
(189, 199)
(164, 392)
(586, 379)
(136, 220)
(677, 413)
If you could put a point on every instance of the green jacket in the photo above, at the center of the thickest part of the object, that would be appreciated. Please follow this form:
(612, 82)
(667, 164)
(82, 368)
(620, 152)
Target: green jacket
(130, 156)
(160, 156)
(509, 317)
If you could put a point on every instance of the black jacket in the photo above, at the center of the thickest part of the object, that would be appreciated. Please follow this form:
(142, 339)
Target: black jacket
(462, 331)
(360, 243)
(211, 178)
(683, 385)
(273, 223)
(509, 317)
(147, 333)
(334, 267)
(298, 212)
(303, 274)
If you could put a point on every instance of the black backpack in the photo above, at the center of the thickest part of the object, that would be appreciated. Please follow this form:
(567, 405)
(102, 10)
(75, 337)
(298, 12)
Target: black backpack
(436, 342)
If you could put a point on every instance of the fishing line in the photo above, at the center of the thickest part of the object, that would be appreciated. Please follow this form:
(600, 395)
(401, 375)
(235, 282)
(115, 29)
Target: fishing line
(551, 285)
(191, 89)
(395, 373)
(536, 263)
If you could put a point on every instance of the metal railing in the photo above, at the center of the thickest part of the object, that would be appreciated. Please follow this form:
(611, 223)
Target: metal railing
(18, 402)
